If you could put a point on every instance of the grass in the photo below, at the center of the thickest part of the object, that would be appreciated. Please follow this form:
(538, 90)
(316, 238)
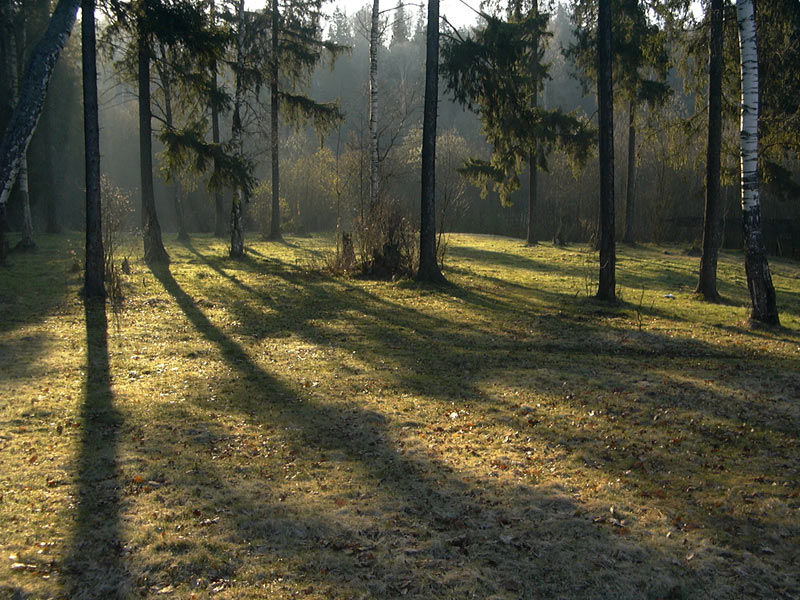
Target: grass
(258, 429)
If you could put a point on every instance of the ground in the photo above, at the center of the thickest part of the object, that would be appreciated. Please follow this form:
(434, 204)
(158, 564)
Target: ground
(260, 429)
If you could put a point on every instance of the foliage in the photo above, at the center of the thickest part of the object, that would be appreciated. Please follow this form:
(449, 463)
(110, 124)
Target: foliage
(496, 71)
(117, 212)
(640, 59)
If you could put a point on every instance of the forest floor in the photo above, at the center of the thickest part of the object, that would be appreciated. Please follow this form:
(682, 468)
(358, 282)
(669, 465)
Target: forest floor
(260, 429)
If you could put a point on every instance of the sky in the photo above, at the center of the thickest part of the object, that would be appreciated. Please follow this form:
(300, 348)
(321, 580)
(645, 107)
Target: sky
(456, 11)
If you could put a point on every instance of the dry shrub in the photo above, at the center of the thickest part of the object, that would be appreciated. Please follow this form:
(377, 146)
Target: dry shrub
(387, 243)
(117, 211)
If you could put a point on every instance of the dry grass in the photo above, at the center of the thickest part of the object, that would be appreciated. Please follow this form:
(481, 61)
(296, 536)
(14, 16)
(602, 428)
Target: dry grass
(257, 429)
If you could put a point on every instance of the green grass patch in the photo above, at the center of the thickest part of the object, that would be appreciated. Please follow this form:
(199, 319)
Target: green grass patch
(260, 429)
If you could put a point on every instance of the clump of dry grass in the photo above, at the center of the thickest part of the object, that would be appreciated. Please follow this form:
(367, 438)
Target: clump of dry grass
(251, 429)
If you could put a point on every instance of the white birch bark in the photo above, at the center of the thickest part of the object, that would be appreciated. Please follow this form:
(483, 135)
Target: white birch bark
(374, 39)
(759, 279)
(746, 16)
(26, 114)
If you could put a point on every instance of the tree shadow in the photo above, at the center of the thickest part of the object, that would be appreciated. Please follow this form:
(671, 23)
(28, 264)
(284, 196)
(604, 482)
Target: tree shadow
(426, 529)
(95, 563)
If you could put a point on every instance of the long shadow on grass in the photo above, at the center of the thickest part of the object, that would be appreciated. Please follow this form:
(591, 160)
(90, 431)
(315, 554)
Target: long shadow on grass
(381, 330)
(94, 567)
(445, 536)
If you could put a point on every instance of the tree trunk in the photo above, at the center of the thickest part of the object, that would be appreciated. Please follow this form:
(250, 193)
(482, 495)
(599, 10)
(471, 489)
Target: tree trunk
(26, 114)
(605, 100)
(27, 242)
(237, 229)
(373, 105)
(532, 185)
(52, 224)
(154, 252)
(533, 155)
(428, 265)
(630, 189)
(93, 285)
(275, 222)
(712, 221)
(46, 130)
(759, 279)
(219, 201)
(166, 87)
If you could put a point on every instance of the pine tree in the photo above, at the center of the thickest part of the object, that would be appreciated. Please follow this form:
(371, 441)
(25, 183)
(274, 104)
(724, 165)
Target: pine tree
(498, 72)
(712, 221)
(400, 30)
(297, 47)
(94, 280)
(428, 264)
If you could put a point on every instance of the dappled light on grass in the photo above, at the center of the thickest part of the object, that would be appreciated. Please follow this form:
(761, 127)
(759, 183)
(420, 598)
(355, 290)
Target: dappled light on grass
(278, 432)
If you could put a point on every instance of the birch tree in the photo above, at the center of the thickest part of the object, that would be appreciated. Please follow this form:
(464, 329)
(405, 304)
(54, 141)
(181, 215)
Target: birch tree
(33, 91)
(759, 279)
(27, 242)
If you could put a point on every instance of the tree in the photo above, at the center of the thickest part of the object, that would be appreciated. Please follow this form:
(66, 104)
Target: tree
(33, 91)
(167, 79)
(237, 224)
(400, 32)
(215, 106)
(759, 279)
(297, 47)
(428, 264)
(374, 43)
(154, 251)
(498, 72)
(15, 57)
(605, 101)
(712, 221)
(93, 286)
(640, 70)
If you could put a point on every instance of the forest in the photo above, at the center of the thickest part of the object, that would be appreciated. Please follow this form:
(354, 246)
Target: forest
(491, 299)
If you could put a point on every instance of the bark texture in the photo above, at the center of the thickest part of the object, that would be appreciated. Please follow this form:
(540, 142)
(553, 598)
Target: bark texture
(94, 277)
(154, 252)
(275, 221)
(759, 279)
(27, 242)
(712, 219)
(237, 227)
(373, 104)
(533, 177)
(219, 201)
(25, 117)
(605, 99)
(428, 265)
(630, 188)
